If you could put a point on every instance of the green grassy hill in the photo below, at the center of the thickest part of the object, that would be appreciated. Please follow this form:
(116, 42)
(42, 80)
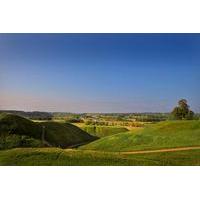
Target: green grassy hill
(56, 157)
(166, 134)
(14, 124)
(65, 134)
(103, 131)
(15, 129)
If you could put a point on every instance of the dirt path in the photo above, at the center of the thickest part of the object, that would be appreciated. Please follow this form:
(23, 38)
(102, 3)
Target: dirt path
(161, 150)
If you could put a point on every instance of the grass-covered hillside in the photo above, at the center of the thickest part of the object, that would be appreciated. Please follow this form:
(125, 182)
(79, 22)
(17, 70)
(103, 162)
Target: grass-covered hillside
(103, 131)
(65, 134)
(125, 148)
(56, 156)
(166, 134)
(16, 130)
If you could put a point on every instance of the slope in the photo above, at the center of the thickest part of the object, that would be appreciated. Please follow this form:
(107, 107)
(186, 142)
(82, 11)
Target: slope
(168, 134)
(103, 131)
(56, 134)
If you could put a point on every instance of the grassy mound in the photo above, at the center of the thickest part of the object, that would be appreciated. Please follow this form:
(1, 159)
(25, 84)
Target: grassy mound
(103, 131)
(56, 134)
(166, 134)
(13, 124)
(56, 157)
(65, 135)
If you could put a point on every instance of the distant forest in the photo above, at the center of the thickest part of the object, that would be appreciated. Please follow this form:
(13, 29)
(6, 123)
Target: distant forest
(75, 117)
(36, 115)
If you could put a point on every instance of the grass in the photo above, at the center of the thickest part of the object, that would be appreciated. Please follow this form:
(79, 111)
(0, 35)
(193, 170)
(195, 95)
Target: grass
(166, 134)
(12, 141)
(65, 134)
(60, 157)
(103, 131)
(56, 134)
(14, 124)
(106, 151)
(178, 158)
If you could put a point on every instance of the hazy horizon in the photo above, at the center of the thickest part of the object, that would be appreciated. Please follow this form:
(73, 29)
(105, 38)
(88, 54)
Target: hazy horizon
(99, 73)
(6, 110)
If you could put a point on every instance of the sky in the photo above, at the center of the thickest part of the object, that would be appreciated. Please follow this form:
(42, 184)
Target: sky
(99, 72)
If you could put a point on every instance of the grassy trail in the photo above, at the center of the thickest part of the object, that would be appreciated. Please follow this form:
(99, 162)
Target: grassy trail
(72, 157)
(161, 150)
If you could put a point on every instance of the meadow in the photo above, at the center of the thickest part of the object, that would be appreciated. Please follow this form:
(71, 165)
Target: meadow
(103, 131)
(71, 157)
(168, 134)
(50, 142)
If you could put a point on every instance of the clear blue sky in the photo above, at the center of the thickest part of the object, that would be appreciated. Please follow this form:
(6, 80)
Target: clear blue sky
(99, 72)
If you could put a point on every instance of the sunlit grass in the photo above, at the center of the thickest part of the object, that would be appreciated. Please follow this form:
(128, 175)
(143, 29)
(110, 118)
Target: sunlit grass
(56, 157)
(166, 134)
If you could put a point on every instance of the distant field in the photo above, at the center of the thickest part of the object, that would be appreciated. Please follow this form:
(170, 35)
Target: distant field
(166, 134)
(103, 131)
(56, 156)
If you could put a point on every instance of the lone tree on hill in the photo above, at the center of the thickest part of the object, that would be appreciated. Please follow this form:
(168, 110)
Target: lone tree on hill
(182, 111)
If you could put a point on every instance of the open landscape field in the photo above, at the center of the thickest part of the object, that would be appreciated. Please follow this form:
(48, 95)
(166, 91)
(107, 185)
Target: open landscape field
(71, 157)
(99, 99)
(168, 134)
(24, 142)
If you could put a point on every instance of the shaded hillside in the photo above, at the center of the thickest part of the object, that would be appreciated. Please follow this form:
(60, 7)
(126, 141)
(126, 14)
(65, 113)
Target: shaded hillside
(166, 134)
(65, 134)
(55, 134)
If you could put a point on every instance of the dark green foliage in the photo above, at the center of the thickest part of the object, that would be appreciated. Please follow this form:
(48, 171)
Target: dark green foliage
(12, 141)
(74, 120)
(182, 111)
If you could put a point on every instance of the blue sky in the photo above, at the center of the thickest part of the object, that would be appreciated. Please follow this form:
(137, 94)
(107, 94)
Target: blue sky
(99, 72)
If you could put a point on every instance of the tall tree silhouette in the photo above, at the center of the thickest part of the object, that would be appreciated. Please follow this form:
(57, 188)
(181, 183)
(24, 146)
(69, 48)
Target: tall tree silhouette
(182, 111)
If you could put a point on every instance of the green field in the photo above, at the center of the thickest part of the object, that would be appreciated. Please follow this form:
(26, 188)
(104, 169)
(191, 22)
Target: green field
(103, 131)
(111, 148)
(166, 134)
(56, 156)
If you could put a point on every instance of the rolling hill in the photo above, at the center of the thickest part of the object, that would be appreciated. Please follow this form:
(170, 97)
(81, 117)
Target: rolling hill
(65, 134)
(17, 128)
(162, 135)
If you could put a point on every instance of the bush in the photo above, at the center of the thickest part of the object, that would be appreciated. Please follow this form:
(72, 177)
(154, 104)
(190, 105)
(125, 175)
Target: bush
(13, 141)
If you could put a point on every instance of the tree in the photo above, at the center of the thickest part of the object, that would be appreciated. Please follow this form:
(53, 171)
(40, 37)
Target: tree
(182, 111)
